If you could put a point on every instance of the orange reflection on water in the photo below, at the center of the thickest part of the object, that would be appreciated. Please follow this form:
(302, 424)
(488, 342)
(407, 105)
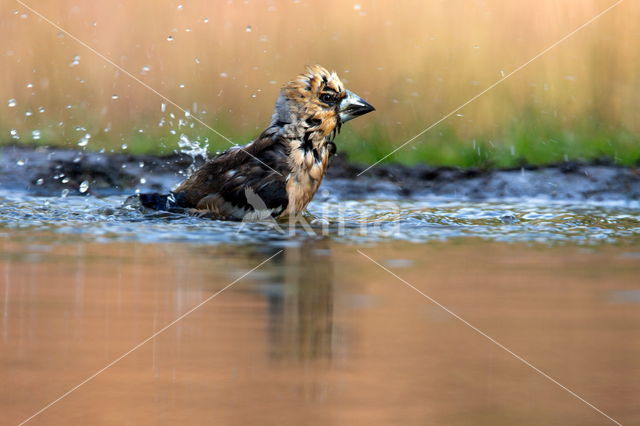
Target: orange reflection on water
(319, 335)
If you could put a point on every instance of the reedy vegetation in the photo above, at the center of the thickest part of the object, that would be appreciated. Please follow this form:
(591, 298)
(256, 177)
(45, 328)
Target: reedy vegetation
(415, 61)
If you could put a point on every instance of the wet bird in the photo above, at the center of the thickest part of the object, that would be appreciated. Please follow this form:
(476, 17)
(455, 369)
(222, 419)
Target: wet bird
(278, 173)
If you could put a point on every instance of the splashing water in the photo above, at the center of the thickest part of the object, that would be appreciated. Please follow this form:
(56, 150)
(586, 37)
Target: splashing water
(347, 221)
(75, 61)
(84, 187)
(193, 149)
(84, 141)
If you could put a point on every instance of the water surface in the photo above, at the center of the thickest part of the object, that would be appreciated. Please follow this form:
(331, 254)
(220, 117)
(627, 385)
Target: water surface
(320, 334)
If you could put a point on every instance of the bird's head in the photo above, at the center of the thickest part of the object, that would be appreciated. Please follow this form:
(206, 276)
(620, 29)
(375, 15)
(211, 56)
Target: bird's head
(318, 98)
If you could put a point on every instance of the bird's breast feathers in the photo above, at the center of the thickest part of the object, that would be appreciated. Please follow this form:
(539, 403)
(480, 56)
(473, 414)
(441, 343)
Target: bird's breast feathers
(308, 161)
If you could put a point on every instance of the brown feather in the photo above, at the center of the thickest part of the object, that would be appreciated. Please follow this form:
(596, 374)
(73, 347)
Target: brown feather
(285, 164)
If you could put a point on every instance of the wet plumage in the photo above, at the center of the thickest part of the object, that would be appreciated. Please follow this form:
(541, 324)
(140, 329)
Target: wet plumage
(278, 173)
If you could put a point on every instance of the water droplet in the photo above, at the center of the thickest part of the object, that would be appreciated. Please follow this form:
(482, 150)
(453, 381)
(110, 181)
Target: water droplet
(41, 110)
(65, 180)
(181, 86)
(75, 62)
(248, 29)
(35, 134)
(40, 181)
(84, 187)
(170, 38)
(124, 146)
(253, 95)
(224, 75)
(163, 107)
(180, 7)
(29, 85)
(188, 30)
(64, 193)
(20, 162)
(114, 97)
(28, 114)
(84, 140)
(143, 181)
(357, 6)
(145, 69)
(197, 61)
(508, 219)
(12, 103)
(141, 164)
(205, 20)
(14, 134)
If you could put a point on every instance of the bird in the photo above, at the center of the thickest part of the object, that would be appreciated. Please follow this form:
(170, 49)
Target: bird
(277, 174)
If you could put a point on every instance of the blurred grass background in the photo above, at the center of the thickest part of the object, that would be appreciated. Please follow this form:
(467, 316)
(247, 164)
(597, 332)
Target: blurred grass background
(415, 61)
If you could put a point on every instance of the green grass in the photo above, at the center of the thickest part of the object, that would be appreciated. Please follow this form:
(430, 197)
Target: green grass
(529, 139)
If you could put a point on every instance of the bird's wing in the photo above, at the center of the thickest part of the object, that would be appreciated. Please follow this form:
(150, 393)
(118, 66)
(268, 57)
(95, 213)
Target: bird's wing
(241, 182)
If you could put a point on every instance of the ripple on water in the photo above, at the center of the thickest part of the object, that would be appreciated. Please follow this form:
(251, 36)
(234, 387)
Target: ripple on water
(345, 221)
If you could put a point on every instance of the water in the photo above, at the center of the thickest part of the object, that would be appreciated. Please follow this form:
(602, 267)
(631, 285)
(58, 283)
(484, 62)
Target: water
(305, 327)
(344, 221)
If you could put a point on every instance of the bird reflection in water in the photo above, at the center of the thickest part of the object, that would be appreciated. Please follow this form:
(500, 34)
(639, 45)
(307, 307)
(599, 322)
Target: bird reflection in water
(301, 303)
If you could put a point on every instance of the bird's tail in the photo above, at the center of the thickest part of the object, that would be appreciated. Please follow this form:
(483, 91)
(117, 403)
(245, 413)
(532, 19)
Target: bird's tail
(168, 202)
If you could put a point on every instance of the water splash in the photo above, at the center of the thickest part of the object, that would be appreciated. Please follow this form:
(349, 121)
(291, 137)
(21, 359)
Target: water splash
(348, 221)
(84, 141)
(84, 187)
(193, 149)
(75, 62)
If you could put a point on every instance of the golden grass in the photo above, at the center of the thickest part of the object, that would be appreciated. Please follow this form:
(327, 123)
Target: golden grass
(415, 61)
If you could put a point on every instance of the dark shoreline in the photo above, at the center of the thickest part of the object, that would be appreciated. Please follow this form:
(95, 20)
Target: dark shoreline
(47, 171)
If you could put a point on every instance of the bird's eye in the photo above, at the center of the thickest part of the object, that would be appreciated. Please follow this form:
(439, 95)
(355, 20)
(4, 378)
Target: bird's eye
(328, 99)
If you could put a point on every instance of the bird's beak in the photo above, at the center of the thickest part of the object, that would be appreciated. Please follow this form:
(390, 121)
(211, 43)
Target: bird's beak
(353, 106)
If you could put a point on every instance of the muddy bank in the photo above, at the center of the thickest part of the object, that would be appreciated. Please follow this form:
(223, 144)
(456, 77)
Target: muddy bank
(45, 171)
